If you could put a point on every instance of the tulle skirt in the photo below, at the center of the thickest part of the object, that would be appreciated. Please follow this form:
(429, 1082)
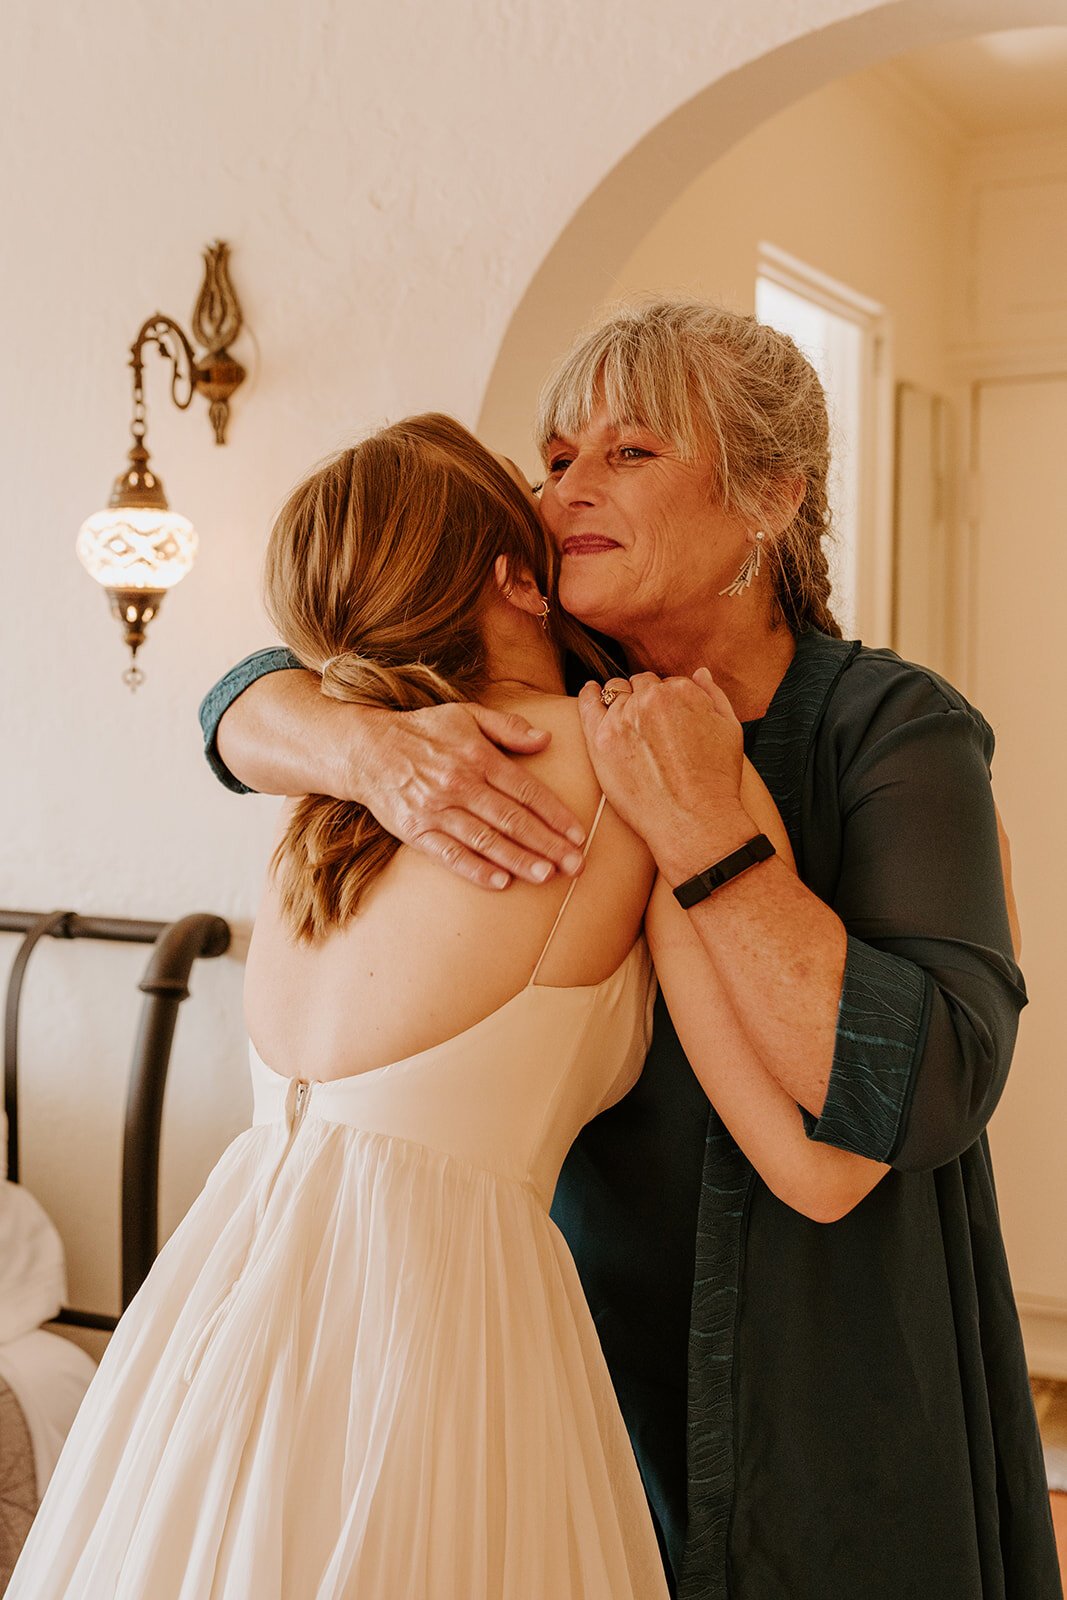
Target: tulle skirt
(361, 1369)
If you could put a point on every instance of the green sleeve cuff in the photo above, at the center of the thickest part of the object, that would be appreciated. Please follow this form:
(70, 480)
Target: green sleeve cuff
(881, 1024)
(221, 696)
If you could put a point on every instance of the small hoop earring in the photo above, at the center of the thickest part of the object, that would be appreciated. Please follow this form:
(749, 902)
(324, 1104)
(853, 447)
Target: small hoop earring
(545, 613)
(750, 569)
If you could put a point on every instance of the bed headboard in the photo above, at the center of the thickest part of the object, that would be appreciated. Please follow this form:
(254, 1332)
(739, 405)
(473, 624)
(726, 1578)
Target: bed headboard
(165, 984)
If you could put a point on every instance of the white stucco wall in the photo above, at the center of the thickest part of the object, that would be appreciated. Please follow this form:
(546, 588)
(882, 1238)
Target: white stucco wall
(389, 179)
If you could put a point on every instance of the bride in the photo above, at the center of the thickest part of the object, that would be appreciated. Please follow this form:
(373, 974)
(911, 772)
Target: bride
(363, 1365)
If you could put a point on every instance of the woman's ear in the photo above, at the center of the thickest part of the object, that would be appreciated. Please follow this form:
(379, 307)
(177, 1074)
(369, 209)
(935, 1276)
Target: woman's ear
(518, 587)
(783, 502)
(501, 572)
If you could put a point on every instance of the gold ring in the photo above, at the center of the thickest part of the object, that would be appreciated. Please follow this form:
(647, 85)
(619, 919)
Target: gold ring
(608, 695)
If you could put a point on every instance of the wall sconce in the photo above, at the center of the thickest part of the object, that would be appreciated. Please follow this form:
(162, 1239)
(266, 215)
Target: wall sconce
(138, 548)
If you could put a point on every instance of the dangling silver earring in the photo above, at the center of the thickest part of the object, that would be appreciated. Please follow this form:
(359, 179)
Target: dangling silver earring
(751, 569)
(544, 614)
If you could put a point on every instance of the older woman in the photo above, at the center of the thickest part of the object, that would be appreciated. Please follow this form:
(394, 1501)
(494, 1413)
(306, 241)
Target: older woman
(819, 1412)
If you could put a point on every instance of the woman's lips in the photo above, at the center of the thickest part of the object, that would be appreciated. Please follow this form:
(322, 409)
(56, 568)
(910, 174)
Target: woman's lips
(587, 544)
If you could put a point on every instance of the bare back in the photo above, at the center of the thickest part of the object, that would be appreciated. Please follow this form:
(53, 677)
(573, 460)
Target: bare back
(429, 955)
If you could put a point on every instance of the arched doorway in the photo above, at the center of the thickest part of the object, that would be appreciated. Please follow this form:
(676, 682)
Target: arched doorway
(577, 273)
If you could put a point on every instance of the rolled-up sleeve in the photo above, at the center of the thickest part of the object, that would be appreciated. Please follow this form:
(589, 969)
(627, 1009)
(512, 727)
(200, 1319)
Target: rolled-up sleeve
(220, 698)
(931, 994)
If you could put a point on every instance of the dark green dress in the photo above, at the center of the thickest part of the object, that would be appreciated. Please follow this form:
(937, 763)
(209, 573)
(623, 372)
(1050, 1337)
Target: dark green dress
(833, 1412)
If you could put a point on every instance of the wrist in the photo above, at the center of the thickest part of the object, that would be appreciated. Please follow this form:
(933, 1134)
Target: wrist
(696, 842)
(717, 874)
(357, 752)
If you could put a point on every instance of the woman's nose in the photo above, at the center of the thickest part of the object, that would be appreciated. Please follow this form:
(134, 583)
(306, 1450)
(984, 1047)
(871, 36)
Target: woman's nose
(580, 483)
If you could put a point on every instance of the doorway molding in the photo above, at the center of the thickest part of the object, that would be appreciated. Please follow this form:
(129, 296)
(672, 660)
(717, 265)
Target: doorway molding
(579, 270)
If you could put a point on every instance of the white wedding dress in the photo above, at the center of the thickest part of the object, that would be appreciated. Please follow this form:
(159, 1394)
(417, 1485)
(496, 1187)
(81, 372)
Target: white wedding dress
(363, 1367)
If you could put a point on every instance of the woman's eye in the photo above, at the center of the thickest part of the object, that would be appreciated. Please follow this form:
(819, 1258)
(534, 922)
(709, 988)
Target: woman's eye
(559, 463)
(633, 452)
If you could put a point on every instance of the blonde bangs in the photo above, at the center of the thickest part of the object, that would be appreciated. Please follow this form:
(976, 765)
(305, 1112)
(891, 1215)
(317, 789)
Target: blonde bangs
(634, 365)
(729, 391)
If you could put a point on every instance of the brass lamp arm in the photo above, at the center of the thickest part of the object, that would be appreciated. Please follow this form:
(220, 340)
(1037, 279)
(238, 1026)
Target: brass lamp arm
(216, 322)
(171, 342)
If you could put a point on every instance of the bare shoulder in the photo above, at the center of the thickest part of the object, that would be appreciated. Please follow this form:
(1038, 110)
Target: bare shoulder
(566, 768)
(429, 953)
(564, 765)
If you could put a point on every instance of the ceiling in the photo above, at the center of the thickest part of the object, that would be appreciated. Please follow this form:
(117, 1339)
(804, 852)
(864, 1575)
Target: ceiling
(996, 83)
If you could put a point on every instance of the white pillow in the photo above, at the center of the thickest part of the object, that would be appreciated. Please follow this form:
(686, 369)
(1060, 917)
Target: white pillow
(33, 1278)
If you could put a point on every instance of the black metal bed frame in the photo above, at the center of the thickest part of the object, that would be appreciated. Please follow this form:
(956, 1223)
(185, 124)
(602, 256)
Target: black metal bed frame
(165, 984)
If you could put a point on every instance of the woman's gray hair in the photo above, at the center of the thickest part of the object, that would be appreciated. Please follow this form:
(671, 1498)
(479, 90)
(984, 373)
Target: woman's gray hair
(721, 385)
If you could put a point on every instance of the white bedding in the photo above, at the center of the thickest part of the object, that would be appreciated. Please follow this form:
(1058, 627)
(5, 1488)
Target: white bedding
(48, 1377)
(33, 1275)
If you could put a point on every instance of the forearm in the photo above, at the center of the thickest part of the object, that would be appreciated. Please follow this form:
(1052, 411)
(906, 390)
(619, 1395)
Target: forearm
(777, 950)
(282, 736)
(822, 1182)
(437, 778)
(894, 1038)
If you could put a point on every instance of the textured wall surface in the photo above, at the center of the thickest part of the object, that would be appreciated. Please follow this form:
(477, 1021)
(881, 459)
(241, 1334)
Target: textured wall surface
(390, 179)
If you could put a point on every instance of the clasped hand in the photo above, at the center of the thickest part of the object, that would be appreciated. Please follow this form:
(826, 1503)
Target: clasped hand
(669, 755)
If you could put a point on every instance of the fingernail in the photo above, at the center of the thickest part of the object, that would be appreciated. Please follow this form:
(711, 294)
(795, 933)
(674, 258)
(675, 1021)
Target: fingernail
(576, 835)
(499, 880)
(541, 870)
(572, 863)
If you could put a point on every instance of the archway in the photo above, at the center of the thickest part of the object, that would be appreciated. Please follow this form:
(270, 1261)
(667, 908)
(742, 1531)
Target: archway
(576, 274)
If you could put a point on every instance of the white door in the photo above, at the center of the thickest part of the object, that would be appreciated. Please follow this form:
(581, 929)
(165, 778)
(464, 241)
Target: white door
(1018, 679)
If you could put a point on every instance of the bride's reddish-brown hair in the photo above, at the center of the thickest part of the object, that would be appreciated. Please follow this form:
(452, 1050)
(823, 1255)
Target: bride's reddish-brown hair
(376, 576)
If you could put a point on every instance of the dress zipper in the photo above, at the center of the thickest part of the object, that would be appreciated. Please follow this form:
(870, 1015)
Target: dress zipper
(301, 1099)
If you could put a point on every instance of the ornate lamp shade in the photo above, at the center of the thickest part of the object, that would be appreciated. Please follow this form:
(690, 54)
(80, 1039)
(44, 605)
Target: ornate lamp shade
(136, 549)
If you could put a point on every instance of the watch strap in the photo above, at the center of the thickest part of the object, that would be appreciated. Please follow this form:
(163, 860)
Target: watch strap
(703, 884)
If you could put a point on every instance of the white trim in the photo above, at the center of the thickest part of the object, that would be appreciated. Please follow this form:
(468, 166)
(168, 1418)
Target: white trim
(985, 363)
(877, 596)
(1010, 364)
(963, 536)
(930, 539)
(792, 273)
(875, 562)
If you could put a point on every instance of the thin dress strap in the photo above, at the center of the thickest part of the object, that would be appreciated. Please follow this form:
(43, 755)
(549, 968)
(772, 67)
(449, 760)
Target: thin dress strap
(570, 890)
